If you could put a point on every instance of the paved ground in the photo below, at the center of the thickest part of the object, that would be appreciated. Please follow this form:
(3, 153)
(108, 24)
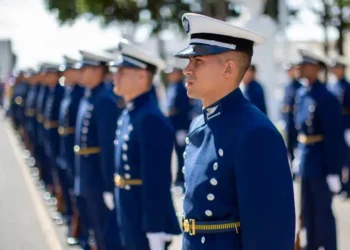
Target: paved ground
(25, 221)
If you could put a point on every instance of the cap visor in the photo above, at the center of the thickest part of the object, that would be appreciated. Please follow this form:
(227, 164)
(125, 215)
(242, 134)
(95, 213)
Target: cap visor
(124, 64)
(201, 50)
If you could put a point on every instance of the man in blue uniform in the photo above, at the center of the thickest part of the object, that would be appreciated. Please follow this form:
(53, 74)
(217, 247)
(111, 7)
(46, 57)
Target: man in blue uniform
(144, 143)
(30, 113)
(17, 100)
(253, 90)
(239, 190)
(178, 110)
(342, 90)
(42, 160)
(67, 119)
(287, 110)
(51, 141)
(320, 152)
(94, 150)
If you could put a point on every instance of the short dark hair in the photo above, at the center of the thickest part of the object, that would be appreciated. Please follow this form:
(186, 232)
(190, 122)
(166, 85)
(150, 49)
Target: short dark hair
(244, 60)
(253, 67)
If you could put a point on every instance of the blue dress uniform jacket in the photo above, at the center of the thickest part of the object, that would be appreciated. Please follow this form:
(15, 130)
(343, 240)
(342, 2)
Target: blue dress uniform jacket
(96, 120)
(51, 115)
(41, 132)
(342, 91)
(255, 94)
(30, 112)
(65, 161)
(239, 191)
(67, 121)
(18, 102)
(178, 106)
(320, 128)
(288, 108)
(94, 161)
(179, 109)
(321, 148)
(144, 141)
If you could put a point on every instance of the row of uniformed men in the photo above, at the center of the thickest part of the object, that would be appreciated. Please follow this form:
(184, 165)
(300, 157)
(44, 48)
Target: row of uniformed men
(72, 131)
(317, 123)
(235, 184)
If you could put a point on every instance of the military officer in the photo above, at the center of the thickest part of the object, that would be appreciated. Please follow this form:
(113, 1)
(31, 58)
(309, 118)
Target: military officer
(342, 90)
(30, 112)
(287, 110)
(94, 150)
(235, 183)
(253, 90)
(143, 147)
(20, 91)
(41, 160)
(67, 119)
(320, 152)
(28, 81)
(178, 110)
(51, 141)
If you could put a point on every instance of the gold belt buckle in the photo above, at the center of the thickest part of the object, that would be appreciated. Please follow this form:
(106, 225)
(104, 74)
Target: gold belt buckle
(189, 226)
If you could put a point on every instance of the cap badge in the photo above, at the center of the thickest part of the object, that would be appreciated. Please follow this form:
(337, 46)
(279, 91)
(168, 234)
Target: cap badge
(186, 25)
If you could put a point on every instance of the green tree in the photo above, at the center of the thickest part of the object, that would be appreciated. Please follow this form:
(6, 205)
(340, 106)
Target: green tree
(161, 14)
(334, 13)
(341, 20)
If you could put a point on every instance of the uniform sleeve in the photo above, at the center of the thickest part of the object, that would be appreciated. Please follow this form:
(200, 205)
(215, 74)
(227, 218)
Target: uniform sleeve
(156, 143)
(265, 192)
(107, 115)
(333, 132)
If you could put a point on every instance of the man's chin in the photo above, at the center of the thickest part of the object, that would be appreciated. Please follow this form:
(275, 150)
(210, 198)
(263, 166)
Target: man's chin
(192, 94)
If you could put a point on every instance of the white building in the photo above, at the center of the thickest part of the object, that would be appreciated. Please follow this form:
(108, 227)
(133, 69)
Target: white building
(7, 59)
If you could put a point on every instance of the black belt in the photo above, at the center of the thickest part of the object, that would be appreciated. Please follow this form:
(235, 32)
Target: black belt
(192, 227)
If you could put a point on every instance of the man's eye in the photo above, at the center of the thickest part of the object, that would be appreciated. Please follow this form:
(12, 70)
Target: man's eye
(198, 60)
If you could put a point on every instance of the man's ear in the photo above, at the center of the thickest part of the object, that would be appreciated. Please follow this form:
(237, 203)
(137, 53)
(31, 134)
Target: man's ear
(230, 67)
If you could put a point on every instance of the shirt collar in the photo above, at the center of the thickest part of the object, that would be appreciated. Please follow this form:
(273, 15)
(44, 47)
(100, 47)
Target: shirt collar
(224, 105)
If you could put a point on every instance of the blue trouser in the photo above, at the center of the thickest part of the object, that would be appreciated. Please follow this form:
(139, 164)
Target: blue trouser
(317, 212)
(103, 223)
(84, 223)
(68, 206)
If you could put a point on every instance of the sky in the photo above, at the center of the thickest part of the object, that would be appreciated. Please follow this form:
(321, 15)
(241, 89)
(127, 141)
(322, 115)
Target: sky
(36, 35)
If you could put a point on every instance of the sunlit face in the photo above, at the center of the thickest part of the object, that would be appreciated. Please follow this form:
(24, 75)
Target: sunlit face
(308, 70)
(51, 78)
(125, 81)
(338, 71)
(69, 76)
(203, 73)
(87, 73)
(174, 76)
(293, 72)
